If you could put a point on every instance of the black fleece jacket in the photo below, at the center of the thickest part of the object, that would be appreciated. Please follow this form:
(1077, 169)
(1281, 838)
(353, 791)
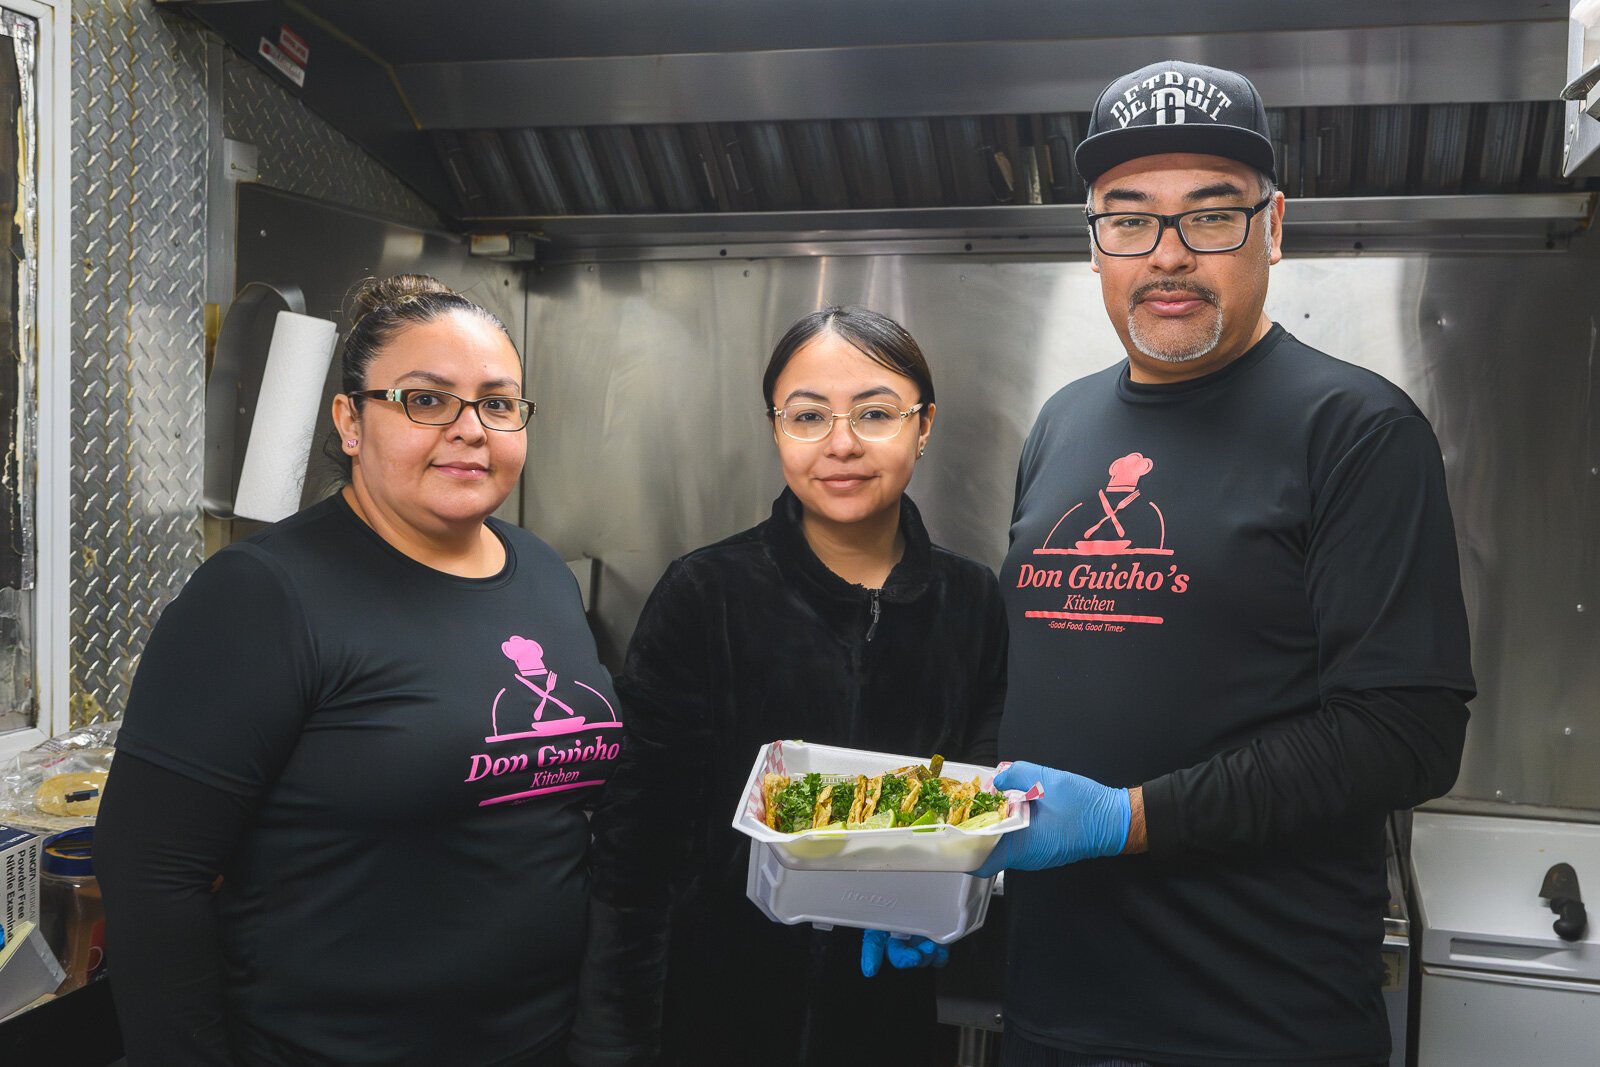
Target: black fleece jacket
(744, 642)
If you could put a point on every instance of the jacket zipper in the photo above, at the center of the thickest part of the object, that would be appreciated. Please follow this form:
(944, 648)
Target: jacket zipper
(876, 611)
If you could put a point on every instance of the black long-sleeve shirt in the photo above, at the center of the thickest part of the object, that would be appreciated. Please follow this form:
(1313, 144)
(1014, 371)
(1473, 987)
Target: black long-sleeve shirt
(163, 837)
(1240, 592)
(389, 766)
(1359, 755)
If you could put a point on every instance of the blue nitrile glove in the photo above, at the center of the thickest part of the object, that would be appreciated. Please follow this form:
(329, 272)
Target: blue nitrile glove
(1076, 819)
(904, 953)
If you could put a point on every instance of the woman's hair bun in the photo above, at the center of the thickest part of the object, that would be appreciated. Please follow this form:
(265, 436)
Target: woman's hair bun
(375, 293)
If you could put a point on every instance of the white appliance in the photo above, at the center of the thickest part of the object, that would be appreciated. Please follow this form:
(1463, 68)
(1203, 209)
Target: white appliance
(1498, 986)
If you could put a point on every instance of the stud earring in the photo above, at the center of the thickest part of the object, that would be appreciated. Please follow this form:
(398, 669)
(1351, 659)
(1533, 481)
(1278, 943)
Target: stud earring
(922, 451)
(351, 443)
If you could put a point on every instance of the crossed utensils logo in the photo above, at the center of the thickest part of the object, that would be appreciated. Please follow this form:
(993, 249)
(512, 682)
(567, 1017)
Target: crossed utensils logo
(540, 680)
(1126, 522)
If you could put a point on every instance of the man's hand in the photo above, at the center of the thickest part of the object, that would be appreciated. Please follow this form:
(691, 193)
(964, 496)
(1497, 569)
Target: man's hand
(1076, 819)
(904, 953)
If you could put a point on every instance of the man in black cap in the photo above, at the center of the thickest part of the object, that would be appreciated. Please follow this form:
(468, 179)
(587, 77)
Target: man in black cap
(1234, 599)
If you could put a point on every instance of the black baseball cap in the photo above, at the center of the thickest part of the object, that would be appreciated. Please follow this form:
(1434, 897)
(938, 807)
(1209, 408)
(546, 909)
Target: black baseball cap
(1173, 106)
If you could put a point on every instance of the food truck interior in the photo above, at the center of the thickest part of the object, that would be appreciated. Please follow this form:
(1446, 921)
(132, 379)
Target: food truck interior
(648, 192)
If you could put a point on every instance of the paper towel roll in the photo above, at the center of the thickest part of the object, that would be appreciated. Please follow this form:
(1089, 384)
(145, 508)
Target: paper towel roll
(286, 417)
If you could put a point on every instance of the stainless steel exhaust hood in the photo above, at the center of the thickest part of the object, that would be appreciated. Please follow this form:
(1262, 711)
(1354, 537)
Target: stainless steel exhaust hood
(680, 122)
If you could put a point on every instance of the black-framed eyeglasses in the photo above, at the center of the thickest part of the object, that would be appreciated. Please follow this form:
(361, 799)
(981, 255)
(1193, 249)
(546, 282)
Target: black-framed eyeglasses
(814, 422)
(435, 407)
(1205, 229)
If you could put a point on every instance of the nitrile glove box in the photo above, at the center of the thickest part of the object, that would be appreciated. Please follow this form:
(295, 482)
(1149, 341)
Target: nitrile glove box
(19, 877)
(909, 880)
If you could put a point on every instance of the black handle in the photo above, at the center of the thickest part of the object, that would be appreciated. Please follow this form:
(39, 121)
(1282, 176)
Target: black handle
(1566, 900)
(1571, 918)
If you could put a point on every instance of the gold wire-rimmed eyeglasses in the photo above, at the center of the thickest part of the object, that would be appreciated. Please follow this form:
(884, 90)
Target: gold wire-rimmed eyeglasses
(814, 422)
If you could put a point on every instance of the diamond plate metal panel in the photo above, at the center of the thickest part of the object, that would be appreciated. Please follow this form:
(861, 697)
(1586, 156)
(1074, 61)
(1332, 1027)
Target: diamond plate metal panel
(138, 247)
(300, 153)
(140, 153)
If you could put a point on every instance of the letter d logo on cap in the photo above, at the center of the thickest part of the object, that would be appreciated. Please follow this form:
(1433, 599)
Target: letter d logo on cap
(1169, 106)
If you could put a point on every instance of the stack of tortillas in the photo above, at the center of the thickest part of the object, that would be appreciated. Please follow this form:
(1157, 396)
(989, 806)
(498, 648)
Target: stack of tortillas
(75, 793)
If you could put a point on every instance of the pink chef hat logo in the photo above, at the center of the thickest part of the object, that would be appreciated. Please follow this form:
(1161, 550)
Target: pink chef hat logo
(527, 655)
(1126, 472)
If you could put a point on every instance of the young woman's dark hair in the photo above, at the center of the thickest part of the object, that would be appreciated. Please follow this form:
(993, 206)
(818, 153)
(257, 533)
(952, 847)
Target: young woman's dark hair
(878, 337)
(380, 309)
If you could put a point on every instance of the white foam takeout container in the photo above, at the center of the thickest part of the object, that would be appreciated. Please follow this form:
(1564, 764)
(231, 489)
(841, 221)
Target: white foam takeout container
(939, 905)
(941, 848)
(911, 881)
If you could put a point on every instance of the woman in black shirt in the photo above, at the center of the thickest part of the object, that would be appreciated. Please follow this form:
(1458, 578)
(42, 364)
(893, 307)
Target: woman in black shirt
(835, 621)
(377, 721)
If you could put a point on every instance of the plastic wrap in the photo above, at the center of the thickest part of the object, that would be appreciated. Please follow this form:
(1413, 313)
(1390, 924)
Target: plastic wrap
(56, 785)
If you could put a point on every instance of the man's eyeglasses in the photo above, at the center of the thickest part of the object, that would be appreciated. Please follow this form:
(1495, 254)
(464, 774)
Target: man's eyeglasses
(813, 422)
(1206, 229)
(435, 407)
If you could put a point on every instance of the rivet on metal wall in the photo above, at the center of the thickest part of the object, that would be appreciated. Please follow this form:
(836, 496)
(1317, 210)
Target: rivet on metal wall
(1580, 609)
(1499, 793)
(1567, 731)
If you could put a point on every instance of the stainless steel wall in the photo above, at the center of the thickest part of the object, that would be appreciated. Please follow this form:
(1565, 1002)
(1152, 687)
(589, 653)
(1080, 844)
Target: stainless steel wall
(649, 439)
(152, 96)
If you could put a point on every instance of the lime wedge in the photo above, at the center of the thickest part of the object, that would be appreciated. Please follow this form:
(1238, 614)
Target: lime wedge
(978, 822)
(832, 826)
(883, 820)
(927, 818)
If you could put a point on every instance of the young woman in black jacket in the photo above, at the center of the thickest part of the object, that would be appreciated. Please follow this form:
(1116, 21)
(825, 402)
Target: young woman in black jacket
(835, 621)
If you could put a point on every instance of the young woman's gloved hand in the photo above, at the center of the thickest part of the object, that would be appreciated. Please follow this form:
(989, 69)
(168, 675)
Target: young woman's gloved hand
(903, 953)
(1076, 819)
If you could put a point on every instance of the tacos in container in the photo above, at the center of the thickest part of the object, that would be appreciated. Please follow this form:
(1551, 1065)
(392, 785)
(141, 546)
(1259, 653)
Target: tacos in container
(820, 807)
(808, 865)
(913, 795)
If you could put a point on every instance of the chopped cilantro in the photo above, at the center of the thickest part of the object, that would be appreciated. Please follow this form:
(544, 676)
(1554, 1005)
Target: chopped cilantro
(844, 795)
(985, 802)
(895, 789)
(796, 802)
(932, 798)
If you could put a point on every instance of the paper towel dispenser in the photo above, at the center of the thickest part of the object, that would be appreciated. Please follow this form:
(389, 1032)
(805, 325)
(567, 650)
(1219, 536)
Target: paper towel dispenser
(234, 387)
(234, 397)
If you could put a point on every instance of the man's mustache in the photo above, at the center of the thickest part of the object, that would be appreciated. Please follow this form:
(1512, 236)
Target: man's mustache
(1172, 285)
